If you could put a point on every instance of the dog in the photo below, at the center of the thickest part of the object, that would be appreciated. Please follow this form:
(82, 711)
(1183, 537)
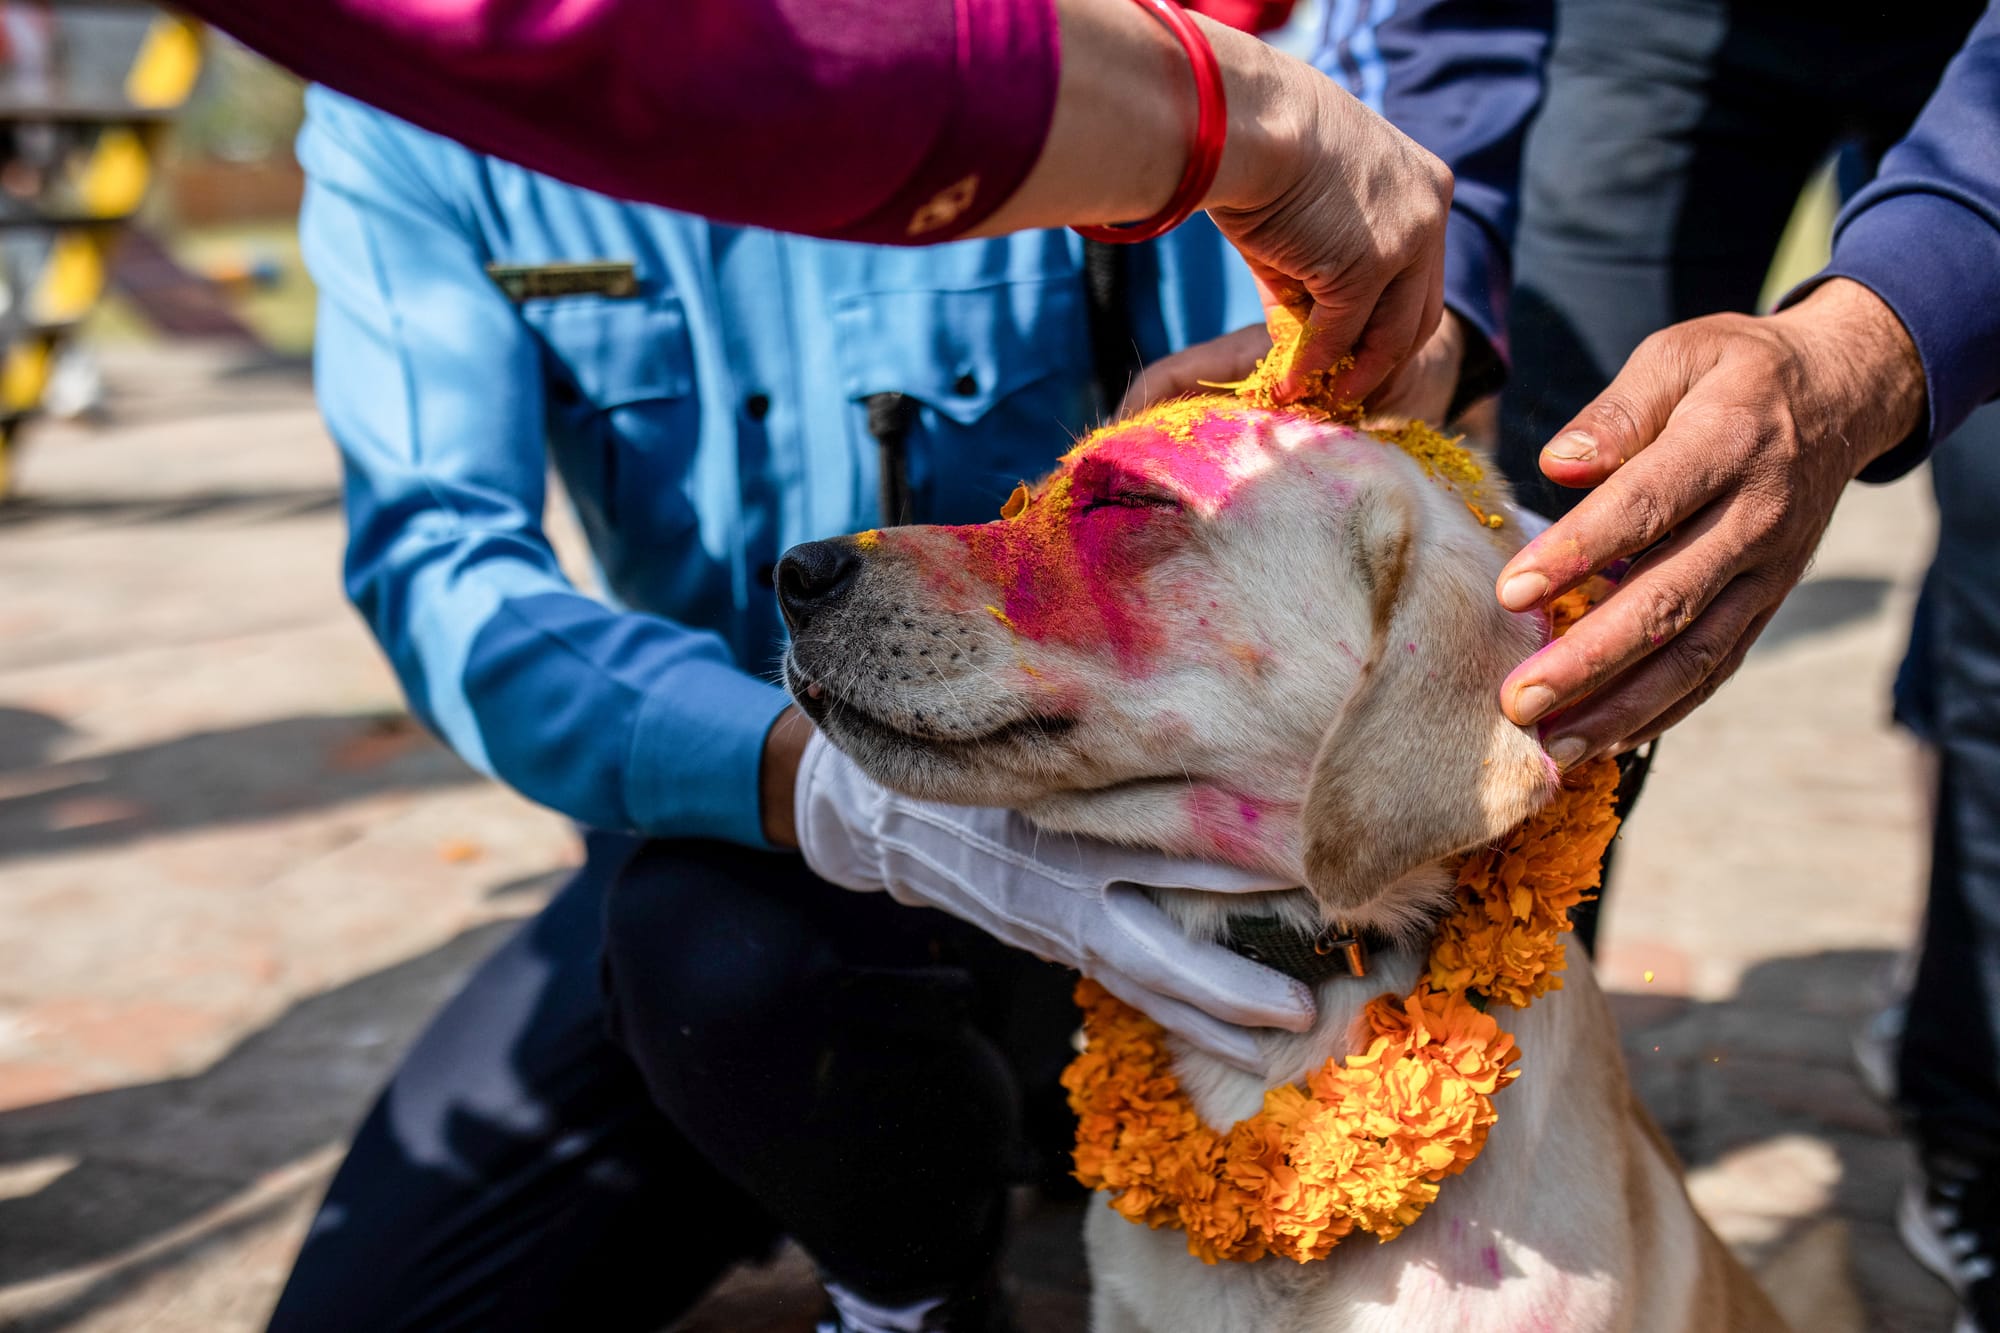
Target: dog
(1250, 636)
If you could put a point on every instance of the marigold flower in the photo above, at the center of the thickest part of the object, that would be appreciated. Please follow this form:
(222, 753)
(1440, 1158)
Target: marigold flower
(1365, 1144)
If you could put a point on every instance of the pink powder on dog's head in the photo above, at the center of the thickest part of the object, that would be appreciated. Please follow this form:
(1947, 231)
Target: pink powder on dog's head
(1200, 448)
(1066, 561)
(1066, 557)
(1065, 570)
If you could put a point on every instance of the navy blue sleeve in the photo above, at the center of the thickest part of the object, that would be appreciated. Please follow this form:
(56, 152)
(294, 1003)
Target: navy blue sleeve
(1463, 78)
(1925, 237)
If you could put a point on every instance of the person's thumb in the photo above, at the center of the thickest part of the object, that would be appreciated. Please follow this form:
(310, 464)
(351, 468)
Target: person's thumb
(1222, 360)
(1621, 421)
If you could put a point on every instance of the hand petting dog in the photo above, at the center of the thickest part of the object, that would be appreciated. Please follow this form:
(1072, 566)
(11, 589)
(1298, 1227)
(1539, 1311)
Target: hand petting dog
(1077, 901)
(1717, 455)
(1420, 389)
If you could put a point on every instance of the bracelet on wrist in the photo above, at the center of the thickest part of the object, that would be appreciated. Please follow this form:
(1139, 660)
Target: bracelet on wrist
(1211, 130)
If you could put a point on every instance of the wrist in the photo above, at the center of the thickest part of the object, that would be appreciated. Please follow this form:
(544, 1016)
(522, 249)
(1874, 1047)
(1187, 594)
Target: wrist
(1119, 136)
(1269, 119)
(778, 774)
(1863, 360)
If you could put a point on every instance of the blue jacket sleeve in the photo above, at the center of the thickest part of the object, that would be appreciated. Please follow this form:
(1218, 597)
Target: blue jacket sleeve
(1463, 78)
(432, 387)
(1924, 235)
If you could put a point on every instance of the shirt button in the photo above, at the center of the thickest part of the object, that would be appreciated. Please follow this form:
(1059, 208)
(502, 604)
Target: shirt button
(757, 406)
(767, 574)
(966, 386)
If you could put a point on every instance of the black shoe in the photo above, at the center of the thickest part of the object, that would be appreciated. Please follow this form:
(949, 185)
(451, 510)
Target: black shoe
(1950, 1221)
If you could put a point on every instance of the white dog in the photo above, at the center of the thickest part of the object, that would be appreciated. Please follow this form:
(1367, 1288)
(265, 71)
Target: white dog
(1244, 636)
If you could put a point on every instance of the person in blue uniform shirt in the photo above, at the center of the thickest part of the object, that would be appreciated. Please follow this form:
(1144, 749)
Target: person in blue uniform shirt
(699, 1047)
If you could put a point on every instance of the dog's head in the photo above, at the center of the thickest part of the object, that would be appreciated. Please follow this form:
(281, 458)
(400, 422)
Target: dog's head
(1213, 629)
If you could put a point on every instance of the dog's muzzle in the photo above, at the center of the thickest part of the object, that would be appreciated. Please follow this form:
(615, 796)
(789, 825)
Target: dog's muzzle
(813, 577)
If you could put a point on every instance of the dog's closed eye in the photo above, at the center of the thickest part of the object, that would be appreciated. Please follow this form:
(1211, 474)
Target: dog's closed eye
(1131, 499)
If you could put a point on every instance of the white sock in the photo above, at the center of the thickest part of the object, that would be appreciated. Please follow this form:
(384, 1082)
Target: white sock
(858, 1314)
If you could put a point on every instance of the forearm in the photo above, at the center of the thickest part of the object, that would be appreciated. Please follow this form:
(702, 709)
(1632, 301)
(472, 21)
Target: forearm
(616, 719)
(840, 120)
(1116, 146)
(1054, 112)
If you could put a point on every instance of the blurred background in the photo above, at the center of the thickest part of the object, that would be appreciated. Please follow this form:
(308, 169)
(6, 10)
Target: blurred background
(235, 877)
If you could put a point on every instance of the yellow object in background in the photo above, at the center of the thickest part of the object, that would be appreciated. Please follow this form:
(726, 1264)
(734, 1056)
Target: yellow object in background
(23, 373)
(114, 181)
(80, 176)
(164, 72)
(71, 280)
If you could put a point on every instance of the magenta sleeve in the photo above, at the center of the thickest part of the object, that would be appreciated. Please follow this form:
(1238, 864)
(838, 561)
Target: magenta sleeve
(899, 121)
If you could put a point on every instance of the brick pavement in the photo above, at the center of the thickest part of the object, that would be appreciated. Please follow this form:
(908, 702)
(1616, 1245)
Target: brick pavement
(234, 879)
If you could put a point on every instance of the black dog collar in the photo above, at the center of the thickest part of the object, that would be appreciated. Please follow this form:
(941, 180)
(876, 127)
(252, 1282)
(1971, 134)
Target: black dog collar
(1306, 955)
(1314, 956)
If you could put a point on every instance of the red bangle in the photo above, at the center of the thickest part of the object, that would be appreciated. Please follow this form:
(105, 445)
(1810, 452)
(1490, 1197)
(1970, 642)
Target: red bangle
(1211, 129)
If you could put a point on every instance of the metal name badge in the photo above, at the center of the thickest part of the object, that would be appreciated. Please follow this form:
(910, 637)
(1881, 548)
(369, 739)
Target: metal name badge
(535, 282)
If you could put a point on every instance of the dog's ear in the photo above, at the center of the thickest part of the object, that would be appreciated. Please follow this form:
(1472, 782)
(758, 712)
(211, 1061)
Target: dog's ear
(1421, 762)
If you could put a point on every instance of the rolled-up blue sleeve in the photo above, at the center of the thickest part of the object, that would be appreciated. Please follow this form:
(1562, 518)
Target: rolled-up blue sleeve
(1463, 78)
(433, 389)
(1924, 236)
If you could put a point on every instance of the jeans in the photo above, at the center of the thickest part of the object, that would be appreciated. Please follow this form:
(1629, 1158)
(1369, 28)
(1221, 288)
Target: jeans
(1948, 1075)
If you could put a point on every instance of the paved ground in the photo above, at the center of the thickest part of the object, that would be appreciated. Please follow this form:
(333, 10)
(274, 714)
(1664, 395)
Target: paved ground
(234, 879)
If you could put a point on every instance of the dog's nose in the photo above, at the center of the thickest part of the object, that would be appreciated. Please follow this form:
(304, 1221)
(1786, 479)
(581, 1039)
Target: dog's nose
(812, 577)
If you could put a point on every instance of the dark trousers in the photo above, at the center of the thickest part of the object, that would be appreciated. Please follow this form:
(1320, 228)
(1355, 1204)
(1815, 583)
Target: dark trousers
(1672, 143)
(1949, 1073)
(693, 1050)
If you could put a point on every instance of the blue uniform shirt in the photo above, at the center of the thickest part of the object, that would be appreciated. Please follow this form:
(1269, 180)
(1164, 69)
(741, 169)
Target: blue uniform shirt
(700, 425)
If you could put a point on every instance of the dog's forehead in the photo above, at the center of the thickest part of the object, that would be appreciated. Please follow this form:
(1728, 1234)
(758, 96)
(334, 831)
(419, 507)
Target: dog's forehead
(1202, 448)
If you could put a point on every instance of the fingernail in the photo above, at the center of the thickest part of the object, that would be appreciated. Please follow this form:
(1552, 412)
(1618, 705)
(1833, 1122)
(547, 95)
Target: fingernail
(1572, 447)
(1523, 591)
(1531, 701)
(1567, 750)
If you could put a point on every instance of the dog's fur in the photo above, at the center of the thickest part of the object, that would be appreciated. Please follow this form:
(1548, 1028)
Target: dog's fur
(1277, 644)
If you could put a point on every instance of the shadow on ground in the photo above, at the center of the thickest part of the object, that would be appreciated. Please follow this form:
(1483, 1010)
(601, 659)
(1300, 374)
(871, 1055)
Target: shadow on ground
(142, 1162)
(1774, 1065)
(231, 776)
(1820, 605)
(267, 505)
(1770, 1061)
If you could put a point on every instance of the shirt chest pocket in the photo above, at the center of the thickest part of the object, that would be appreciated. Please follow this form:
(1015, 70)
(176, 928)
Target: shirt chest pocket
(959, 393)
(624, 419)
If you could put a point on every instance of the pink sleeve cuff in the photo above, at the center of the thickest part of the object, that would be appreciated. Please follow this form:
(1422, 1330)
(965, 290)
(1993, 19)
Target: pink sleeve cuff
(1009, 61)
(898, 121)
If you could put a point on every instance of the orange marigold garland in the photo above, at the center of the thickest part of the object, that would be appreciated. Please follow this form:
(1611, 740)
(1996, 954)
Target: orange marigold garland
(1364, 1145)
